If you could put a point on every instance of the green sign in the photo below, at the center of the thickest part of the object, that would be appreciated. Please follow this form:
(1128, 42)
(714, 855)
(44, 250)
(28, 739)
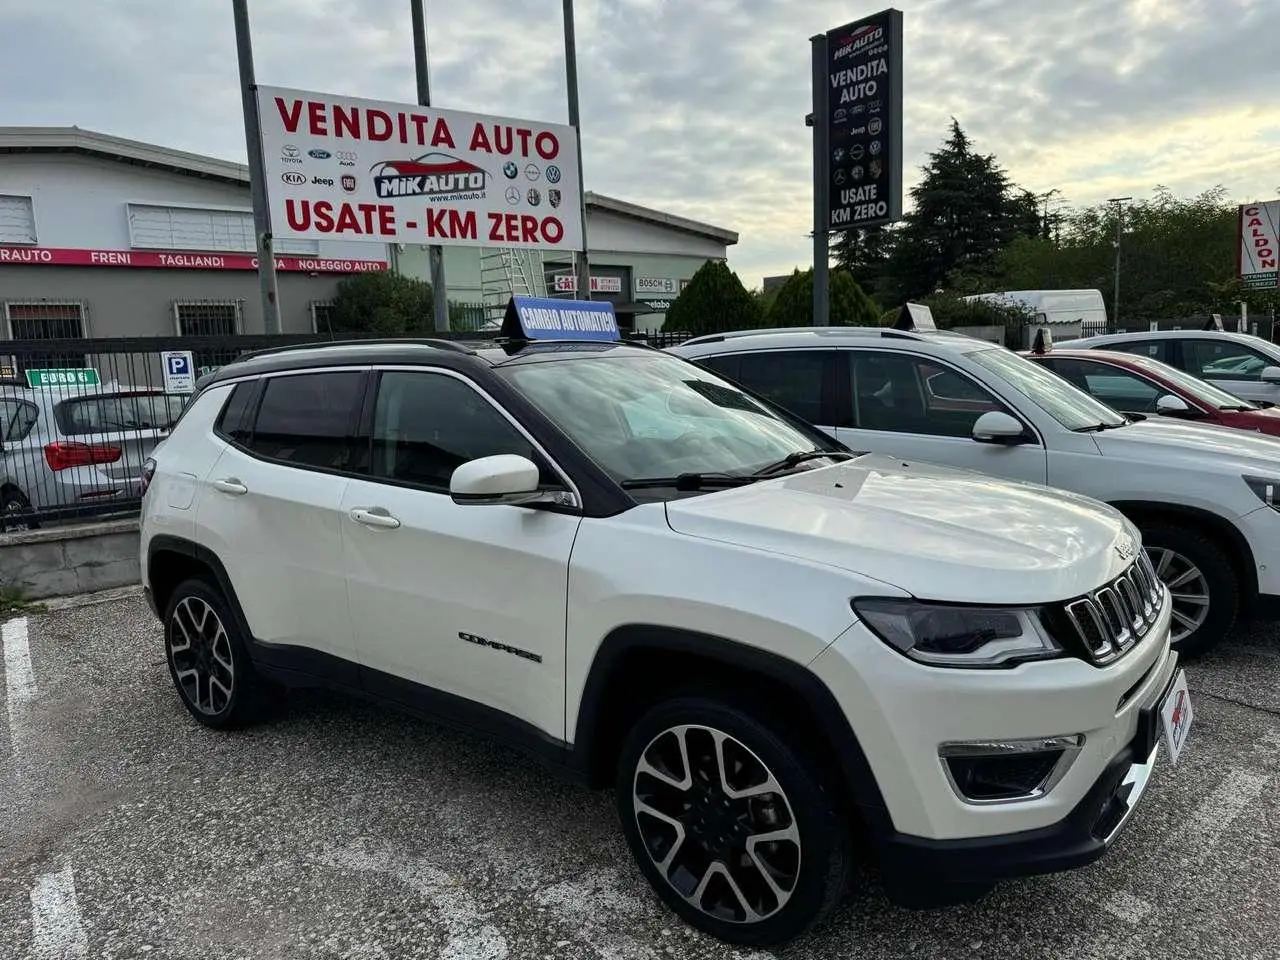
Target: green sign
(72, 377)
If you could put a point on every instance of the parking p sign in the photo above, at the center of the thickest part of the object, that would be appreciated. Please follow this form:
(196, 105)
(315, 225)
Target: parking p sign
(179, 371)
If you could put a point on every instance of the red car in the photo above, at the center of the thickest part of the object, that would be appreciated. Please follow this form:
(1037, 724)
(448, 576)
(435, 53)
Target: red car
(1132, 383)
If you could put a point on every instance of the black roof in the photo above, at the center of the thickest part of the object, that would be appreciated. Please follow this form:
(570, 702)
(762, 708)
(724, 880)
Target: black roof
(453, 354)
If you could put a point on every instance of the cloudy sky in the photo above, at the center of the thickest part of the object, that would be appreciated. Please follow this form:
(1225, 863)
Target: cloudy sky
(697, 106)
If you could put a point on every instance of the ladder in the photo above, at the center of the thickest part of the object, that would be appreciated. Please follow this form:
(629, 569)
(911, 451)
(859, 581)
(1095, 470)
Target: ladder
(506, 272)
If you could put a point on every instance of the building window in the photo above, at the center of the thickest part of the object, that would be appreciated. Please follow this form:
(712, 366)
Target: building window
(321, 315)
(17, 220)
(45, 321)
(168, 227)
(210, 318)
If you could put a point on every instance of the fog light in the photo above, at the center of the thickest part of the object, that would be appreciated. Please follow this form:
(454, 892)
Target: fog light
(1006, 771)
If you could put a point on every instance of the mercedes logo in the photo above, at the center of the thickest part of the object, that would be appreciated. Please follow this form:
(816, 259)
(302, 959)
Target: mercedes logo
(514, 195)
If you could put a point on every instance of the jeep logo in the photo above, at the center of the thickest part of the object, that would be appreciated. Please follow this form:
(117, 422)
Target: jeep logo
(292, 177)
(322, 181)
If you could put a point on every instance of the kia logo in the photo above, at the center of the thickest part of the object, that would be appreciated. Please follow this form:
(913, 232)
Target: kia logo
(319, 154)
(294, 178)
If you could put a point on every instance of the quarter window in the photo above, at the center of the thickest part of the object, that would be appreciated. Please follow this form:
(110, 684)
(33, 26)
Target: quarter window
(426, 425)
(17, 417)
(307, 419)
(1224, 360)
(1152, 349)
(904, 394)
(233, 423)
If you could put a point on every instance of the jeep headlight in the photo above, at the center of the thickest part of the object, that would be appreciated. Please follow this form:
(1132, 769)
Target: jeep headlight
(955, 635)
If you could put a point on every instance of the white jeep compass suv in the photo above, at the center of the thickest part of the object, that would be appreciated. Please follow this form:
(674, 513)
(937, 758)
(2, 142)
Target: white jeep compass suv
(608, 556)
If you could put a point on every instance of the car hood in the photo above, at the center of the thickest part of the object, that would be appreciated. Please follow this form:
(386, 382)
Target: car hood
(935, 532)
(1203, 445)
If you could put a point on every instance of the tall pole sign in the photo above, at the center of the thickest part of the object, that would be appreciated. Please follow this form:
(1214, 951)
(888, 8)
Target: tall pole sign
(435, 252)
(857, 135)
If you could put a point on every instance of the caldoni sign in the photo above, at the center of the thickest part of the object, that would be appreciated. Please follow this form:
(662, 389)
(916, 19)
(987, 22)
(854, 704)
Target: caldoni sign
(422, 175)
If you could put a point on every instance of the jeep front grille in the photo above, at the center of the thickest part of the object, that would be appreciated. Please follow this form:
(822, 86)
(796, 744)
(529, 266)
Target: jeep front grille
(1117, 615)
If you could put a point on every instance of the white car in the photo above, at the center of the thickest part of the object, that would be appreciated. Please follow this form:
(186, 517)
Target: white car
(1203, 496)
(611, 558)
(1243, 365)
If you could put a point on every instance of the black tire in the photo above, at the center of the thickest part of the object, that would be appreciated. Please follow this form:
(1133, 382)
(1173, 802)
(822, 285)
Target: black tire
(182, 620)
(812, 881)
(16, 511)
(1220, 578)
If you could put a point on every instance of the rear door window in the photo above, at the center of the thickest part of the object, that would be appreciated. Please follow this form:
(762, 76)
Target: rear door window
(309, 419)
(801, 381)
(1155, 349)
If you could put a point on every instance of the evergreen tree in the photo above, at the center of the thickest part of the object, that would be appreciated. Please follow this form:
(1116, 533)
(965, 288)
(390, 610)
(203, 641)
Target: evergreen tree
(849, 305)
(715, 301)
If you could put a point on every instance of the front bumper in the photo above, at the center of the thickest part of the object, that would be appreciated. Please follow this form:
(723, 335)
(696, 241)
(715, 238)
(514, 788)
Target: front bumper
(918, 870)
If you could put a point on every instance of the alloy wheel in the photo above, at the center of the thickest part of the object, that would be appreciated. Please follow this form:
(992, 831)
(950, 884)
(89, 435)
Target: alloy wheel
(1188, 589)
(200, 650)
(716, 824)
(15, 517)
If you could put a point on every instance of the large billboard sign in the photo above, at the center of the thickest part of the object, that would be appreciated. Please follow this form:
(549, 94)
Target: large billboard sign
(864, 121)
(342, 168)
(1259, 233)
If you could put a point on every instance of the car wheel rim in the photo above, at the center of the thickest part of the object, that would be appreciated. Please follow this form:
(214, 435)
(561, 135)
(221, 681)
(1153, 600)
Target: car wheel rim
(200, 651)
(1188, 589)
(15, 516)
(716, 824)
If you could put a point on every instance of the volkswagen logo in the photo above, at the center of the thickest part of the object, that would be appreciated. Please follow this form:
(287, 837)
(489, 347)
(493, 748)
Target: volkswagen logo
(553, 173)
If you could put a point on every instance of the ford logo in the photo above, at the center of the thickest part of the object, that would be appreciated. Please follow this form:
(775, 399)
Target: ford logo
(292, 177)
(319, 154)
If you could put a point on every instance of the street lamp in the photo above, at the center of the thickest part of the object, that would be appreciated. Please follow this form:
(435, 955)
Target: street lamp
(1115, 300)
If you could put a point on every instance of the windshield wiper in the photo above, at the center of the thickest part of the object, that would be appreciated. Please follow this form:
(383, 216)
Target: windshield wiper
(797, 458)
(1099, 427)
(689, 481)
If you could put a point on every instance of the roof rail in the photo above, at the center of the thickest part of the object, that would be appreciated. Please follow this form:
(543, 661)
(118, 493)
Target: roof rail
(437, 343)
(829, 331)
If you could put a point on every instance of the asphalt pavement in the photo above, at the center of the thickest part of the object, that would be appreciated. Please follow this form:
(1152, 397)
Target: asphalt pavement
(339, 830)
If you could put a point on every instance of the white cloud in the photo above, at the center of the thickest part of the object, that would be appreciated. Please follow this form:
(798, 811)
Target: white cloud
(697, 107)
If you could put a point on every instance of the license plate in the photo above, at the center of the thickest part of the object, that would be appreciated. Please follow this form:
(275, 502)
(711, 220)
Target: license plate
(1175, 716)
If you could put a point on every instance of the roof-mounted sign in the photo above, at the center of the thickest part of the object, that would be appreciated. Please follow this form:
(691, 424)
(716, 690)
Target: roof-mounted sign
(1215, 322)
(547, 318)
(915, 316)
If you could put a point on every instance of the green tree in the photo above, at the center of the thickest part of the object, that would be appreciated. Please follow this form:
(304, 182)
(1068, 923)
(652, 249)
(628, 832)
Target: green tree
(383, 303)
(849, 305)
(714, 301)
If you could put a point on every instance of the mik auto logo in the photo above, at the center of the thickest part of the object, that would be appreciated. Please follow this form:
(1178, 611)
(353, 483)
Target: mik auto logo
(436, 176)
(860, 39)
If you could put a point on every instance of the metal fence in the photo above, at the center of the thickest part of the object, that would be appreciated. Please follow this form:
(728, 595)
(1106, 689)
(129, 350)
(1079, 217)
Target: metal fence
(79, 417)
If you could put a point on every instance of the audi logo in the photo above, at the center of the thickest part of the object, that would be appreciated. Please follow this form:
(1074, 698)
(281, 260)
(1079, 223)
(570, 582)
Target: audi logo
(346, 155)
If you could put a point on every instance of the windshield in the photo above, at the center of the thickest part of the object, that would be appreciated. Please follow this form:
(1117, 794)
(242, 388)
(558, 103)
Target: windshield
(1206, 393)
(648, 416)
(1060, 399)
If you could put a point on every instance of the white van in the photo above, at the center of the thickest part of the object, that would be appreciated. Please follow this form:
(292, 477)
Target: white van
(1058, 307)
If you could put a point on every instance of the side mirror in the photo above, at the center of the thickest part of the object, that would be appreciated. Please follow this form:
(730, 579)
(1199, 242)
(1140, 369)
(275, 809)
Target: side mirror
(998, 427)
(1170, 405)
(502, 479)
(1271, 375)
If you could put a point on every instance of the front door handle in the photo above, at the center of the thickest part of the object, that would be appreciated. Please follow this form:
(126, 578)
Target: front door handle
(374, 517)
(231, 485)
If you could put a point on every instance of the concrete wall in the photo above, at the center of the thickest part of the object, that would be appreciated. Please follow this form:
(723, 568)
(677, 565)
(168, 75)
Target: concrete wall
(61, 561)
(139, 303)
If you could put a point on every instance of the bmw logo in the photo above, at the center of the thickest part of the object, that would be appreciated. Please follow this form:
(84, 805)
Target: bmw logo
(553, 174)
(510, 170)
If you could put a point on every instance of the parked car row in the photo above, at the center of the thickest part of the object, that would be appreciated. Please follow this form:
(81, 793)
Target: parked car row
(770, 644)
(1201, 496)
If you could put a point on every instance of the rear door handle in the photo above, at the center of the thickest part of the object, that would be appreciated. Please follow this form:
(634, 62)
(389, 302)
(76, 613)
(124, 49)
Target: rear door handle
(231, 485)
(374, 517)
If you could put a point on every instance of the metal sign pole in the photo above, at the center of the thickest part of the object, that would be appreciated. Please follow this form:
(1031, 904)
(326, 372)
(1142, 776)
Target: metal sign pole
(435, 252)
(571, 82)
(257, 176)
(821, 184)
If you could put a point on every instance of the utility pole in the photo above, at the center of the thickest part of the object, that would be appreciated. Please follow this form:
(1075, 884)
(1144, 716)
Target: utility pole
(257, 176)
(1115, 301)
(435, 252)
(575, 121)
